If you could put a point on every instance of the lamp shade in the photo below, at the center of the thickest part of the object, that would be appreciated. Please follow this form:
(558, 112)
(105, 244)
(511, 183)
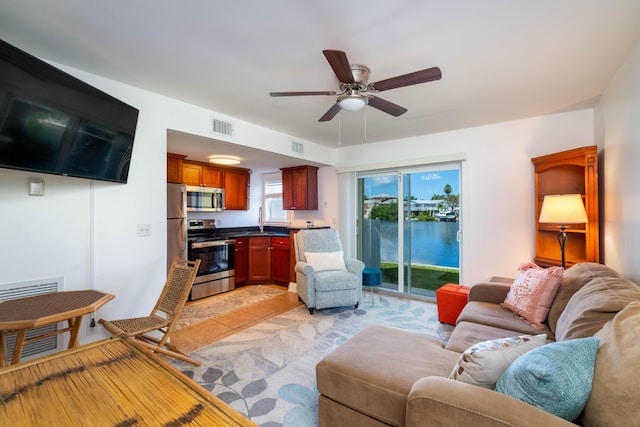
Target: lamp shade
(563, 209)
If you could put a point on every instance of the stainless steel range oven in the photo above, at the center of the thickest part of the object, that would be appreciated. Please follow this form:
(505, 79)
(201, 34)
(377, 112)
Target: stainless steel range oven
(217, 268)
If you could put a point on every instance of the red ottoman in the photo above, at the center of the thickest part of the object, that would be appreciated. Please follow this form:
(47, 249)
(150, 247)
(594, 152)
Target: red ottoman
(451, 299)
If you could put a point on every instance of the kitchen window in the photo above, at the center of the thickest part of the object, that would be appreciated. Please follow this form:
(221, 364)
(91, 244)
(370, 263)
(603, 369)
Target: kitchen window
(272, 199)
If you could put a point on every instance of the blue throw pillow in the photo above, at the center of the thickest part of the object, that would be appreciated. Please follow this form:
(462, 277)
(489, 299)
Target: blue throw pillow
(555, 377)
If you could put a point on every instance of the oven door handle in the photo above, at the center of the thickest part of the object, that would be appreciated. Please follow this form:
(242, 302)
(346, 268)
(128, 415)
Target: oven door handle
(198, 245)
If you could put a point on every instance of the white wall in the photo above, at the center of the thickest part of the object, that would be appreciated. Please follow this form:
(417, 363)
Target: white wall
(618, 130)
(497, 181)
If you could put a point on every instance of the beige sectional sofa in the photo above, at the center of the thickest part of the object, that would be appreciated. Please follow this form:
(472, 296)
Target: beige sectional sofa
(384, 376)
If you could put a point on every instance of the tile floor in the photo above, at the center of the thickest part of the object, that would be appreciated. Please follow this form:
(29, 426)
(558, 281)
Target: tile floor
(204, 333)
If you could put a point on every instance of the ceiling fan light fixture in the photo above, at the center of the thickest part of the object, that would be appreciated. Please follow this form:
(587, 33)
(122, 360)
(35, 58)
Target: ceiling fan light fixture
(224, 160)
(352, 102)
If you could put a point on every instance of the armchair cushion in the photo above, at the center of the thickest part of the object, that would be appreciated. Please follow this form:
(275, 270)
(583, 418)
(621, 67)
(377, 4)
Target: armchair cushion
(323, 261)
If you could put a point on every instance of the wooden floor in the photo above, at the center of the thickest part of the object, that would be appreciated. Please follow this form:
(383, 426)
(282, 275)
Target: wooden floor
(204, 333)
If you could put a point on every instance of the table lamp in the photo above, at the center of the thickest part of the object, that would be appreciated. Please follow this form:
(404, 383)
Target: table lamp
(563, 209)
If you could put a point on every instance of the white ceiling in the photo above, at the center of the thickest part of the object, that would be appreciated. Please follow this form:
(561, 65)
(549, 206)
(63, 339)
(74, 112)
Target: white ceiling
(500, 59)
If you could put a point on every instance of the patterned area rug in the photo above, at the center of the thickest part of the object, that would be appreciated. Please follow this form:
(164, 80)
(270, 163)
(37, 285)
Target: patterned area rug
(267, 372)
(216, 305)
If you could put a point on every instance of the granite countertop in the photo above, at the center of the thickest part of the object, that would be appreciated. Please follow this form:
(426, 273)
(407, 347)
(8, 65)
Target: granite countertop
(236, 232)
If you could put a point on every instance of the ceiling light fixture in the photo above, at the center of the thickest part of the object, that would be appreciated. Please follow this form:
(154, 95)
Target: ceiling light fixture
(352, 102)
(224, 160)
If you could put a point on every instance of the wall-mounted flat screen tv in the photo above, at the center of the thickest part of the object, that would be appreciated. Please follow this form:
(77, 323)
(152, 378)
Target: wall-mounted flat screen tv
(52, 122)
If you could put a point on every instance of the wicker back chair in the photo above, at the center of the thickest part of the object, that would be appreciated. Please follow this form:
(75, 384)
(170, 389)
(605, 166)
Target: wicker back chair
(164, 314)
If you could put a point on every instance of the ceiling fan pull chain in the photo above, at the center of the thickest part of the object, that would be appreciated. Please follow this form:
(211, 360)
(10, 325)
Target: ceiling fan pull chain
(365, 126)
(339, 131)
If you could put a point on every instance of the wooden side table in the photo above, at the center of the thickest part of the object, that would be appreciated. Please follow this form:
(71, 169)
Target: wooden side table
(21, 314)
(451, 299)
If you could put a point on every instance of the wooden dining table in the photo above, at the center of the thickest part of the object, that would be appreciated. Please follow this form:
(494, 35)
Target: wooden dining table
(113, 382)
(19, 315)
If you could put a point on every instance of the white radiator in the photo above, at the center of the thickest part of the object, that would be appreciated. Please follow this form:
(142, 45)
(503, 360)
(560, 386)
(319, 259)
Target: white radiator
(25, 289)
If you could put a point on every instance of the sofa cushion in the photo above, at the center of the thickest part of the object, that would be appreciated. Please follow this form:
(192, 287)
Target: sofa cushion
(613, 399)
(555, 377)
(490, 314)
(573, 279)
(323, 261)
(594, 304)
(374, 370)
(467, 334)
(532, 292)
(483, 363)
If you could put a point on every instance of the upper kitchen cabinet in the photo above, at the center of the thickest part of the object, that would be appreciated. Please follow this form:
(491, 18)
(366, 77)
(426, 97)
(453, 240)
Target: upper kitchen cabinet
(568, 172)
(201, 174)
(236, 189)
(174, 167)
(300, 188)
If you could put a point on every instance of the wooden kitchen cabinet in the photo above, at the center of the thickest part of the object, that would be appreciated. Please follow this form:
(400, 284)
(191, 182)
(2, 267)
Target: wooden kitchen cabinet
(198, 174)
(300, 188)
(174, 167)
(242, 259)
(191, 173)
(568, 172)
(259, 258)
(212, 177)
(280, 253)
(236, 189)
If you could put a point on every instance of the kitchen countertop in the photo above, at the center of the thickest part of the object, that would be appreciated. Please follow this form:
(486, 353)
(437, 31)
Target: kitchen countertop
(270, 231)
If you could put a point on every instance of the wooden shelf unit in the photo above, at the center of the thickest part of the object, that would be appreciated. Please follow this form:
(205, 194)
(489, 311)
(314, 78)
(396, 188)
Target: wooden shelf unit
(568, 172)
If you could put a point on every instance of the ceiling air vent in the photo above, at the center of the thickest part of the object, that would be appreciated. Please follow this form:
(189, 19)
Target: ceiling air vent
(221, 127)
(297, 147)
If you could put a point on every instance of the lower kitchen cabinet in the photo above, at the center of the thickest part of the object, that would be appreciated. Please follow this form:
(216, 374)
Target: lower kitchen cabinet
(242, 260)
(259, 258)
(280, 259)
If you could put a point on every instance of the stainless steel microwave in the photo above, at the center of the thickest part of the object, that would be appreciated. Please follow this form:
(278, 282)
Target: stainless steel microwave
(205, 199)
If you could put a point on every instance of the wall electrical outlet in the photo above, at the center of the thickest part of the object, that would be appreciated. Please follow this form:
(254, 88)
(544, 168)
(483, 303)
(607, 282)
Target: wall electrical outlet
(91, 326)
(144, 230)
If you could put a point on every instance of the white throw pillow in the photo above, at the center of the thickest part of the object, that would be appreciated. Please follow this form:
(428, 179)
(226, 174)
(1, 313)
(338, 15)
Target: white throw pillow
(484, 363)
(323, 261)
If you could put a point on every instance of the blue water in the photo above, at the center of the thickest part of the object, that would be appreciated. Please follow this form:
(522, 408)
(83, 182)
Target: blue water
(432, 243)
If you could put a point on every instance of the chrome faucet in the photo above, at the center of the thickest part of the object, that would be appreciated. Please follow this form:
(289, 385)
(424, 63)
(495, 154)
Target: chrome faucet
(260, 220)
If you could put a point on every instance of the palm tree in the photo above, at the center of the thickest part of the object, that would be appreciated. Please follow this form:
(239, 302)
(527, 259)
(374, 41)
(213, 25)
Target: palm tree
(447, 190)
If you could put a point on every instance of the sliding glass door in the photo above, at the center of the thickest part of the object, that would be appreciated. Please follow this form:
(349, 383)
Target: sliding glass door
(409, 227)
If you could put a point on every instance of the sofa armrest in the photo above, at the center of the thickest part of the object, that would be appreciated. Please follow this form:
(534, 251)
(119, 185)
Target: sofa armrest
(437, 401)
(494, 292)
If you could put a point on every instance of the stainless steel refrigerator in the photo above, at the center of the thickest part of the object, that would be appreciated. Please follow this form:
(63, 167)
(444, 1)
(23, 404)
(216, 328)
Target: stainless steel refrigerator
(176, 222)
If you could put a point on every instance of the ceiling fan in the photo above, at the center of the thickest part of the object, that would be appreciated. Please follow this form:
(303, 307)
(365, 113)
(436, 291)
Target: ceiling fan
(353, 79)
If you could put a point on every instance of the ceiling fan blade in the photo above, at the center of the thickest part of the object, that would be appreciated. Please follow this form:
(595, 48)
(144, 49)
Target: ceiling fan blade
(331, 113)
(386, 106)
(340, 65)
(301, 93)
(417, 77)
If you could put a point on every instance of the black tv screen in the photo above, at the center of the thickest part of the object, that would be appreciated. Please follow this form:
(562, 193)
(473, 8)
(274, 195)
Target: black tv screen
(52, 122)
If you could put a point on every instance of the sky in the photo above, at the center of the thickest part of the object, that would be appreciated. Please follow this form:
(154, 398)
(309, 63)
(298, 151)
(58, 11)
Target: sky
(423, 184)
